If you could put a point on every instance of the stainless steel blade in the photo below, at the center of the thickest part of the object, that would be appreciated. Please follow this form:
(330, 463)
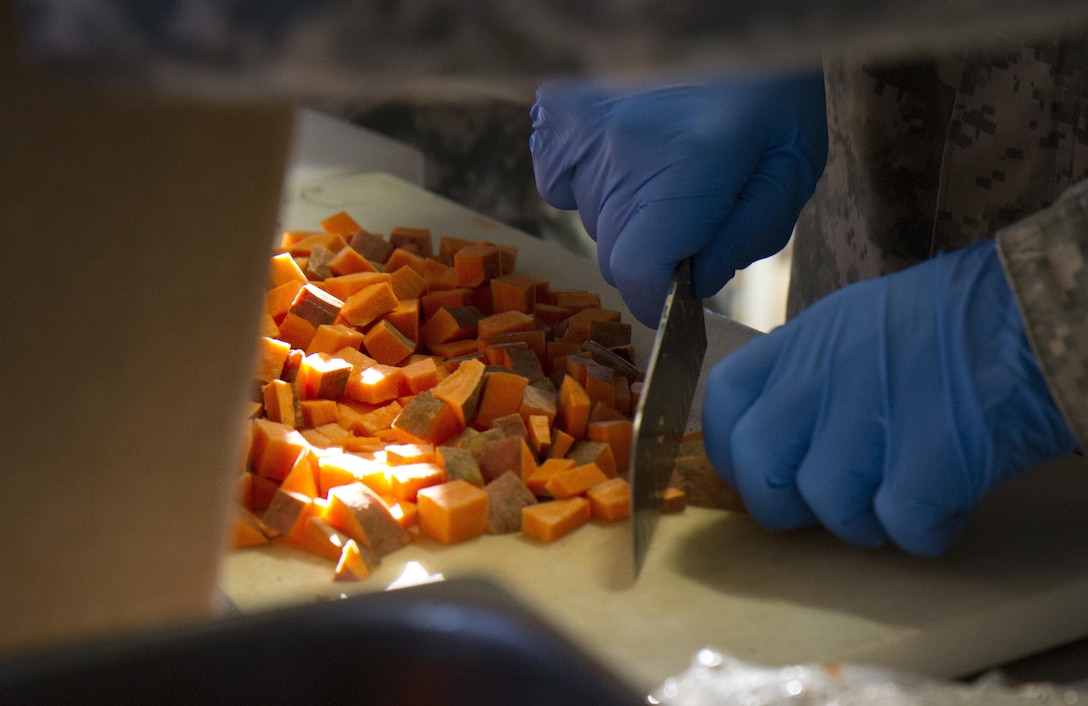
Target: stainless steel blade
(664, 406)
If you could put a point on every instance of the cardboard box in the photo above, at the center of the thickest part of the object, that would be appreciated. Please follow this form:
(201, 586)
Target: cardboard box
(135, 233)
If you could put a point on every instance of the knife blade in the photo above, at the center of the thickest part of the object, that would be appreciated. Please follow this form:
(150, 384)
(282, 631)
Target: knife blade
(664, 405)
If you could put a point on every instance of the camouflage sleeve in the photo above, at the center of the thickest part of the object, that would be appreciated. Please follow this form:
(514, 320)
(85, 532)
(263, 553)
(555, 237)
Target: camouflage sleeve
(1046, 261)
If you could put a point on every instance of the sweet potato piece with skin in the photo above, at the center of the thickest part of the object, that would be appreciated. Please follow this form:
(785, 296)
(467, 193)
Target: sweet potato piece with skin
(575, 299)
(288, 512)
(600, 384)
(511, 425)
(461, 390)
(538, 401)
(506, 495)
(552, 520)
(427, 419)
(561, 443)
(513, 292)
(249, 530)
(501, 395)
(581, 321)
(372, 246)
(524, 362)
(506, 454)
(460, 464)
(610, 500)
(281, 404)
(322, 376)
(405, 318)
(415, 240)
(450, 323)
(317, 264)
(609, 333)
(596, 452)
(369, 303)
(452, 512)
(316, 305)
(360, 513)
(385, 344)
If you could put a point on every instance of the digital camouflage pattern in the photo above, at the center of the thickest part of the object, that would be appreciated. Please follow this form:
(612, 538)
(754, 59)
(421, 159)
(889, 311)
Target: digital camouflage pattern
(937, 154)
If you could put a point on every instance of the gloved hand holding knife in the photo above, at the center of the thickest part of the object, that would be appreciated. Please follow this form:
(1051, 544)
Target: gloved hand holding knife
(883, 412)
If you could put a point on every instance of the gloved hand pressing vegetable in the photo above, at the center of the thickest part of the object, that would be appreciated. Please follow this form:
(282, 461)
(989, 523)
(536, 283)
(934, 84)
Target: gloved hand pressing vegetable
(887, 409)
(716, 171)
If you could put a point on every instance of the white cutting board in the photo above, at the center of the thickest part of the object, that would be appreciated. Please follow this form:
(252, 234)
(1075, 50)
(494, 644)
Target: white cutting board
(1015, 584)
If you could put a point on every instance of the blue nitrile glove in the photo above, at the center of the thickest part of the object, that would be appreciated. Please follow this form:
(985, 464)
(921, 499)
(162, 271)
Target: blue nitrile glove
(717, 171)
(888, 408)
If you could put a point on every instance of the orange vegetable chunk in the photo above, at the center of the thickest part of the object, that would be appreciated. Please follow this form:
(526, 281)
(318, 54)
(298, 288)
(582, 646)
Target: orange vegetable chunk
(610, 500)
(554, 519)
(574, 481)
(501, 395)
(340, 223)
(360, 513)
(351, 566)
(461, 390)
(452, 512)
(322, 539)
(385, 344)
(427, 419)
(369, 303)
(572, 411)
(506, 495)
(274, 447)
(476, 263)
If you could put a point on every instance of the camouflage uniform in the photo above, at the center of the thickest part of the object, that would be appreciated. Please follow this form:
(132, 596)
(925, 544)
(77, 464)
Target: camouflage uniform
(938, 154)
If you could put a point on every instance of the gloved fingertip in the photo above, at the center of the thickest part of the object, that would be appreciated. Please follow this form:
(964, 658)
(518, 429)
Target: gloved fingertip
(923, 531)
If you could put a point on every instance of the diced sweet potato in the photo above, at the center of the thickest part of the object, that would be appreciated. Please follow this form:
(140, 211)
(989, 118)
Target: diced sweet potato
(574, 481)
(351, 566)
(360, 513)
(460, 464)
(506, 495)
(551, 520)
(610, 500)
(452, 512)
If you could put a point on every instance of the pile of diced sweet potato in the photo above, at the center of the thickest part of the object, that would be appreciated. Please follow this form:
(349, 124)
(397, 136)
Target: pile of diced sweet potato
(406, 387)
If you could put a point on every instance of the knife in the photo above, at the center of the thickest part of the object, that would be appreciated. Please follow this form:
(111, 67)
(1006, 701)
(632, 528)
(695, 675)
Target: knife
(664, 405)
